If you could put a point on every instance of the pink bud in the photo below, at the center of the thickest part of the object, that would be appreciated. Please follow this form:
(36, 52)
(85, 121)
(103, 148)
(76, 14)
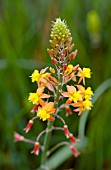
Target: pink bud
(71, 47)
(75, 68)
(29, 125)
(72, 55)
(72, 138)
(54, 61)
(74, 151)
(68, 111)
(36, 148)
(35, 108)
(18, 137)
(62, 56)
(66, 131)
(64, 67)
(51, 53)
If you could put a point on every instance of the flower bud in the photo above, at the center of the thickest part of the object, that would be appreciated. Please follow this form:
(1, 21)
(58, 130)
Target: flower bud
(18, 137)
(74, 151)
(50, 52)
(72, 138)
(64, 67)
(36, 148)
(68, 110)
(70, 47)
(52, 70)
(60, 32)
(62, 56)
(52, 43)
(29, 125)
(35, 108)
(54, 61)
(75, 68)
(72, 55)
(66, 131)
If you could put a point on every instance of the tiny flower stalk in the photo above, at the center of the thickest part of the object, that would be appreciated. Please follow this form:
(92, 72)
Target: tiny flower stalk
(47, 106)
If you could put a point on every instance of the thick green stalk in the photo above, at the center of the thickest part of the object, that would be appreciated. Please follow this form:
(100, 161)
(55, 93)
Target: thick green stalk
(50, 124)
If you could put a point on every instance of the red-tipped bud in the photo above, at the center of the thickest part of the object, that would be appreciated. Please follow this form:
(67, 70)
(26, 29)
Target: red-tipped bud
(35, 108)
(36, 148)
(29, 125)
(52, 79)
(74, 151)
(68, 111)
(71, 47)
(72, 55)
(50, 52)
(64, 67)
(75, 68)
(18, 137)
(54, 61)
(62, 56)
(66, 131)
(72, 138)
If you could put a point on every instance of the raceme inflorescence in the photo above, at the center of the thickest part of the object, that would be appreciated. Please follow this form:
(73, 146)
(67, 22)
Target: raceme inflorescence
(58, 88)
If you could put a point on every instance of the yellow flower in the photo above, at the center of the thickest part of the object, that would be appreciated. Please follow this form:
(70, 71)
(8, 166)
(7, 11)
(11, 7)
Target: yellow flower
(87, 104)
(43, 114)
(88, 93)
(36, 98)
(52, 70)
(68, 69)
(45, 111)
(82, 105)
(36, 76)
(85, 73)
(73, 95)
(33, 98)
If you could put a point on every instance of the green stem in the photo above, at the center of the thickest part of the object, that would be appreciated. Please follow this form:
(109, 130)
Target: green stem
(50, 124)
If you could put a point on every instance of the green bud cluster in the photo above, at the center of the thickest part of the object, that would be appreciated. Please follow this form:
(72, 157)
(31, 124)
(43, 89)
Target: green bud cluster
(60, 34)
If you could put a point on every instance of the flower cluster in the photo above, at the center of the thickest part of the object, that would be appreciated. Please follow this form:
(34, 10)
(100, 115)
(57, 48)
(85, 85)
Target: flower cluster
(50, 84)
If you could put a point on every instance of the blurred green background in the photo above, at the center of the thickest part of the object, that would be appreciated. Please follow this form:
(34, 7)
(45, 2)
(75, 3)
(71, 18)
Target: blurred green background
(24, 37)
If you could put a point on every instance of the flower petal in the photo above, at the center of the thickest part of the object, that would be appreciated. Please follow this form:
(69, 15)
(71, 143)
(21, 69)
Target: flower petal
(52, 111)
(43, 95)
(49, 106)
(51, 118)
(68, 101)
(66, 94)
(71, 89)
(40, 91)
(43, 70)
(50, 87)
(78, 104)
(41, 102)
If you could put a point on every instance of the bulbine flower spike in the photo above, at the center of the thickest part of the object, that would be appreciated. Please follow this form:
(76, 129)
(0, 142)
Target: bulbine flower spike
(58, 88)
